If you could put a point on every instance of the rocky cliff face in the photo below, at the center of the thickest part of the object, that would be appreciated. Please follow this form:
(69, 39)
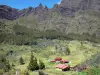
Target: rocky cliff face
(81, 4)
(71, 16)
(7, 12)
(66, 7)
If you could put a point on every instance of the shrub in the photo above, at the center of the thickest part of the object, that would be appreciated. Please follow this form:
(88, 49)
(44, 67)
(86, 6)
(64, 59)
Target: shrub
(4, 64)
(26, 73)
(41, 65)
(13, 65)
(1, 71)
(41, 73)
(7, 66)
(94, 71)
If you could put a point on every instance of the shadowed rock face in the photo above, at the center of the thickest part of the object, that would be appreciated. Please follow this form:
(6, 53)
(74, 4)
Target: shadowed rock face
(71, 4)
(10, 13)
(7, 12)
(81, 4)
(90, 5)
(66, 7)
(27, 11)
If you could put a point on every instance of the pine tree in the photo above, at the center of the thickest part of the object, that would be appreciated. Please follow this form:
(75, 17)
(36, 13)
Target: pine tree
(21, 61)
(36, 64)
(41, 65)
(67, 51)
(33, 65)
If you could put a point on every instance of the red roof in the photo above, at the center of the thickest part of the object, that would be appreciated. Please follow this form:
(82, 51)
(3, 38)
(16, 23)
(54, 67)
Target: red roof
(64, 61)
(62, 66)
(58, 58)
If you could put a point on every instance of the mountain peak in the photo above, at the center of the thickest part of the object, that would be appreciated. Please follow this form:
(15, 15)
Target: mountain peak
(56, 6)
(65, 7)
(40, 5)
(45, 7)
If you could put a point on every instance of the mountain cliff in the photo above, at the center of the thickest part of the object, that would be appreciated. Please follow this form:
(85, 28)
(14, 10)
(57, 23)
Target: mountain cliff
(9, 13)
(81, 4)
(70, 16)
(65, 7)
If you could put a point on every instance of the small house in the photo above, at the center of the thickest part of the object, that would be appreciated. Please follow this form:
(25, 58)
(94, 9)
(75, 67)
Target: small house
(64, 67)
(64, 61)
(58, 59)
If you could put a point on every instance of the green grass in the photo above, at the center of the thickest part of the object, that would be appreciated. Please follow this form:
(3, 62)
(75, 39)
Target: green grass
(80, 52)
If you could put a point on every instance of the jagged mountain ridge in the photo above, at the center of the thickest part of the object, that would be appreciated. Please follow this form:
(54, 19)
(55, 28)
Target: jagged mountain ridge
(7, 12)
(68, 6)
(81, 4)
(78, 16)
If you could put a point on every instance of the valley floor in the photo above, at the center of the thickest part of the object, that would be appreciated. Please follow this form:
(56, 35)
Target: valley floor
(47, 50)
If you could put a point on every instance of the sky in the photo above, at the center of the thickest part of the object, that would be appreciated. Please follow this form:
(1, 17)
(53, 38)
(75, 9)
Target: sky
(20, 4)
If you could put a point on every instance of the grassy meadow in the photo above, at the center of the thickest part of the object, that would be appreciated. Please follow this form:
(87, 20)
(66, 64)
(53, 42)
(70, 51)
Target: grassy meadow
(46, 50)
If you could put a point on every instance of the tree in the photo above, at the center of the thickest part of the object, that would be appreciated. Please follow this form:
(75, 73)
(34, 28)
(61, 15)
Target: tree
(21, 61)
(5, 64)
(33, 65)
(67, 51)
(36, 64)
(41, 65)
